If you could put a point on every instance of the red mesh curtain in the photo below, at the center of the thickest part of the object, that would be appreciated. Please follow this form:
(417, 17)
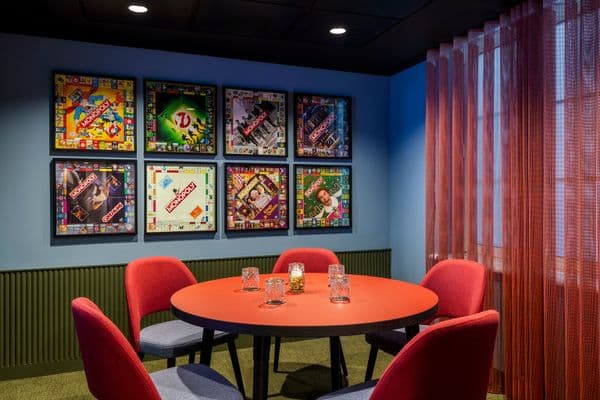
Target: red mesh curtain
(571, 267)
(513, 181)
(471, 81)
(457, 151)
(523, 154)
(444, 154)
(431, 124)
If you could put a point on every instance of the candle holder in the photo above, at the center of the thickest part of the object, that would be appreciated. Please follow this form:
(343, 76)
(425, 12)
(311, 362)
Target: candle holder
(296, 277)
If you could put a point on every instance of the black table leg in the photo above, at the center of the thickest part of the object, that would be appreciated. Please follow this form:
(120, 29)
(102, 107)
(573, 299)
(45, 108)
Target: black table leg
(411, 331)
(260, 389)
(207, 346)
(334, 351)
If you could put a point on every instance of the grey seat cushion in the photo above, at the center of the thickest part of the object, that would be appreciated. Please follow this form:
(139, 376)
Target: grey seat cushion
(193, 382)
(362, 391)
(173, 338)
(390, 341)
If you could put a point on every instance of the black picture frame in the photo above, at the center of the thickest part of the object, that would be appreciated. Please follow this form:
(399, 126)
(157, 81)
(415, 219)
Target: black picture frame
(241, 193)
(180, 117)
(100, 190)
(255, 131)
(95, 115)
(180, 198)
(307, 191)
(326, 142)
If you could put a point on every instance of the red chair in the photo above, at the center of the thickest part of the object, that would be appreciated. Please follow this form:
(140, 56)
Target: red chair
(149, 284)
(449, 360)
(460, 286)
(114, 372)
(314, 260)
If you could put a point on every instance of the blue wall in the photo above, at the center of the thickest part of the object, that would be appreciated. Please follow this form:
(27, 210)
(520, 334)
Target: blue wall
(25, 85)
(407, 173)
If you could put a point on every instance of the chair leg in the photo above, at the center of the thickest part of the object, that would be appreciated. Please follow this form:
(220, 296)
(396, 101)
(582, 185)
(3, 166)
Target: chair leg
(192, 357)
(235, 363)
(371, 363)
(276, 353)
(343, 361)
(170, 362)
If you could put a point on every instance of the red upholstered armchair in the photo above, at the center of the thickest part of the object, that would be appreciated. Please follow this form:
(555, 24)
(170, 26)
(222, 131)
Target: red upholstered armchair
(149, 284)
(449, 360)
(114, 372)
(315, 260)
(460, 286)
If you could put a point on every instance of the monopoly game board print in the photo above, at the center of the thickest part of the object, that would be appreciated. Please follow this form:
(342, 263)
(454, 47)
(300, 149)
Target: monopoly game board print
(93, 113)
(323, 196)
(322, 126)
(255, 122)
(180, 197)
(94, 197)
(257, 197)
(180, 117)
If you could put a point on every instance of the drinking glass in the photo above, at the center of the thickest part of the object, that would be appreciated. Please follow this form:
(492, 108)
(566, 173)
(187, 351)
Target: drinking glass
(296, 276)
(339, 290)
(250, 279)
(333, 270)
(274, 291)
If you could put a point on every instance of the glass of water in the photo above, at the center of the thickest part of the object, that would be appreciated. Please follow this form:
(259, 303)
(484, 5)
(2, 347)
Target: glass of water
(250, 279)
(339, 289)
(274, 291)
(333, 270)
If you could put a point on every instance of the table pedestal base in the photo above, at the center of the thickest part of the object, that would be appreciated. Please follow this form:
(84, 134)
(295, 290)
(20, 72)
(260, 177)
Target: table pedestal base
(207, 346)
(260, 388)
(335, 346)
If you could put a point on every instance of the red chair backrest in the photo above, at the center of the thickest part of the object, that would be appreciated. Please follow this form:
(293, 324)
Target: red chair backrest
(112, 368)
(149, 284)
(449, 360)
(314, 259)
(459, 285)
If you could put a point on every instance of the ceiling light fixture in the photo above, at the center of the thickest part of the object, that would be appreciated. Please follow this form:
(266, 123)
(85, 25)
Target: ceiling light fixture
(137, 8)
(337, 30)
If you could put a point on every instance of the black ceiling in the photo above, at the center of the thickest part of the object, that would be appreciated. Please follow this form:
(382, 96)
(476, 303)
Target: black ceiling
(384, 36)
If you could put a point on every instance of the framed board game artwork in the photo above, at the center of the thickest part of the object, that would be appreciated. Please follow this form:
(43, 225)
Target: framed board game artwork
(179, 118)
(322, 126)
(94, 197)
(93, 113)
(180, 197)
(255, 122)
(323, 196)
(257, 197)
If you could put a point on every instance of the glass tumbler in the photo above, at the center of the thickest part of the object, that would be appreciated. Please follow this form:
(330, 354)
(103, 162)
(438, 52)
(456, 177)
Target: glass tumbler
(333, 270)
(296, 276)
(250, 279)
(274, 291)
(339, 290)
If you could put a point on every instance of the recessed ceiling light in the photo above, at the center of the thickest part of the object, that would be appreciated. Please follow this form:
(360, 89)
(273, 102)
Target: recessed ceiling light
(137, 8)
(337, 30)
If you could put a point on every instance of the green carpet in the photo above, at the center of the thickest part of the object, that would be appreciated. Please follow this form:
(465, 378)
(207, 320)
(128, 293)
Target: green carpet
(303, 365)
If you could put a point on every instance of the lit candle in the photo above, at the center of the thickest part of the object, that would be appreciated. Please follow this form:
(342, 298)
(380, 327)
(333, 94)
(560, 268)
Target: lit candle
(295, 273)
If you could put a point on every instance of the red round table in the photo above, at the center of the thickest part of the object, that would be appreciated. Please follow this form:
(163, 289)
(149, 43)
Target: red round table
(375, 304)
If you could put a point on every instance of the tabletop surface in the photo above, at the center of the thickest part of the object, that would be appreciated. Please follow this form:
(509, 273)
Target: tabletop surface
(375, 304)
